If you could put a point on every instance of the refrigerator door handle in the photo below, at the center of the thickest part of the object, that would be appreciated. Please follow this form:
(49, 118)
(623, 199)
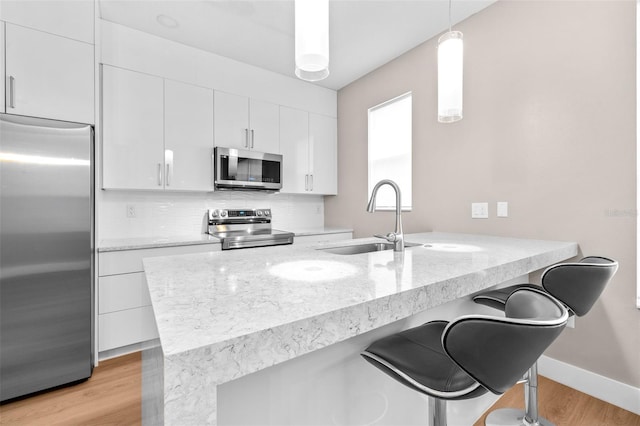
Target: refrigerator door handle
(12, 92)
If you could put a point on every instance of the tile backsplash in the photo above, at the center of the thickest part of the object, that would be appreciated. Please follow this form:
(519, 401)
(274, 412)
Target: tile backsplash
(145, 214)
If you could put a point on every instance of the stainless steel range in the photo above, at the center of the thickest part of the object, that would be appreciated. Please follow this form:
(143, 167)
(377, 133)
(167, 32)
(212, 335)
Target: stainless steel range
(245, 228)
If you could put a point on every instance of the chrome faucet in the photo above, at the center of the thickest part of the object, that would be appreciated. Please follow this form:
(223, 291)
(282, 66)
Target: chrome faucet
(396, 237)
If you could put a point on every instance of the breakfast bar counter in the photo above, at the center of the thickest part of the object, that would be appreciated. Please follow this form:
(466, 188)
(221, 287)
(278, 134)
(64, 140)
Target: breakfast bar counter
(224, 315)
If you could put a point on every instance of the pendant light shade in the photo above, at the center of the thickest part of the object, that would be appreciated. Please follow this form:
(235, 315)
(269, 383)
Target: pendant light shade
(312, 39)
(450, 50)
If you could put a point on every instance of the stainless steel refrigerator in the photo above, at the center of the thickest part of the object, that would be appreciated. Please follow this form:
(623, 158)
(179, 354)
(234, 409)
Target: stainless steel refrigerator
(46, 254)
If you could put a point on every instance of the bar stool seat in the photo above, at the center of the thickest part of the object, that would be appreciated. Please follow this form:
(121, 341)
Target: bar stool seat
(417, 358)
(578, 286)
(473, 354)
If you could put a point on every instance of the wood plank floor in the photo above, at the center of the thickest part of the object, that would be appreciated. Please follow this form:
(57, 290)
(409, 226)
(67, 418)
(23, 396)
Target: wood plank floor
(565, 406)
(112, 397)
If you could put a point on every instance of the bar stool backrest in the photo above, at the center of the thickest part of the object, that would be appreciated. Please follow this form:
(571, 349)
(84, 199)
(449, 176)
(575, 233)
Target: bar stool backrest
(578, 285)
(497, 351)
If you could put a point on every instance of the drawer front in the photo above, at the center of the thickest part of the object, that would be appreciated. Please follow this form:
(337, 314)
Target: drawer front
(120, 292)
(126, 327)
(127, 261)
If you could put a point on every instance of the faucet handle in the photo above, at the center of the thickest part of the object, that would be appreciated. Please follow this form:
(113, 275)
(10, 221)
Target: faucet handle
(391, 236)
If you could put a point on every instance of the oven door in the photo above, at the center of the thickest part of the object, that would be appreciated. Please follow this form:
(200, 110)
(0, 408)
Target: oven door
(238, 169)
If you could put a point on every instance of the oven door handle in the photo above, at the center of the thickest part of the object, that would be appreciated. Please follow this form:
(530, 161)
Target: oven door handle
(233, 166)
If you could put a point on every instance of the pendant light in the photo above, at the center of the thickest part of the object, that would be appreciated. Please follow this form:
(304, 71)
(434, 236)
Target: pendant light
(312, 39)
(450, 50)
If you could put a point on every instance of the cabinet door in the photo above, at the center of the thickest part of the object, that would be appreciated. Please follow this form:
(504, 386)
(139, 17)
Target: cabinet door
(48, 76)
(188, 137)
(132, 130)
(2, 104)
(68, 18)
(264, 119)
(231, 122)
(294, 143)
(323, 161)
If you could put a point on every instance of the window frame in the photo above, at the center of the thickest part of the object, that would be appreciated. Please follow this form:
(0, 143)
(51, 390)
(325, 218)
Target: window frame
(407, 199)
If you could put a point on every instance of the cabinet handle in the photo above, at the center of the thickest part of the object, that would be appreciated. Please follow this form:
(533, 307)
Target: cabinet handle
(168, 174)
(306, 182)
(12, 90)
(159, 174)
(251, 138)
(311, 183)
(246, 138)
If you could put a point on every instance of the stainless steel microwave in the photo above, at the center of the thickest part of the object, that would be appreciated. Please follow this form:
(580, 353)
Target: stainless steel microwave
(238, 169)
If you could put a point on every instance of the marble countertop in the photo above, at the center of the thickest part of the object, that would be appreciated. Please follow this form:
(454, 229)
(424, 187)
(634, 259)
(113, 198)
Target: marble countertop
(219, 299)
(119, 244)
(222, 315)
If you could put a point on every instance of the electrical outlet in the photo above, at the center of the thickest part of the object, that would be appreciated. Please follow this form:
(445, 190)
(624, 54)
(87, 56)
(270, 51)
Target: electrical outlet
(479, 210)
(131, 210)
(318, 209)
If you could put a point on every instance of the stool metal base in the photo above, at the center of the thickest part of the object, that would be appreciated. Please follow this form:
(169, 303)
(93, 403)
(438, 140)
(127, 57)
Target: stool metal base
(512, 417)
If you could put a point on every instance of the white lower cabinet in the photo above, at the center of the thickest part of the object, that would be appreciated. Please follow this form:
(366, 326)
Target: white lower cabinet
(125, 315)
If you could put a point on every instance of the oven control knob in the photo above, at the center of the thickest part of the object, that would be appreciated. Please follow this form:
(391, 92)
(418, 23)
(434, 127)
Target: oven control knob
(223, 213)
(259, 212)
(267, 212)
(214, 213)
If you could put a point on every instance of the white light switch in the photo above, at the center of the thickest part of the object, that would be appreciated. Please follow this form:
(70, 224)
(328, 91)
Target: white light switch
(502, 208)
(479, 210)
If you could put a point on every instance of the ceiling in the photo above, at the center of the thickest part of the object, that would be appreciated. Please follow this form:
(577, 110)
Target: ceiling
(363, 34)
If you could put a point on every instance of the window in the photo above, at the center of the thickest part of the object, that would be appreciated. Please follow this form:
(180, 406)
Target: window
(390, 150)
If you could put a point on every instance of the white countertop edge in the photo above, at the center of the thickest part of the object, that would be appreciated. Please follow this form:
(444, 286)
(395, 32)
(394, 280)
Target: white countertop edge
(122, 244)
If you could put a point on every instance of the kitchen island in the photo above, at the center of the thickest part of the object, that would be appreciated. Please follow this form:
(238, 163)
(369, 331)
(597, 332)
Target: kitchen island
(225, 315)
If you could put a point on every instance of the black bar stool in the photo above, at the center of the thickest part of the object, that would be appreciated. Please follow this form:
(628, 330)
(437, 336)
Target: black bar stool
(473, 354)
(578, 286)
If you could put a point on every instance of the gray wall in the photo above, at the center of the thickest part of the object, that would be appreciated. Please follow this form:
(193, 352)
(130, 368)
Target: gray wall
(549, 126)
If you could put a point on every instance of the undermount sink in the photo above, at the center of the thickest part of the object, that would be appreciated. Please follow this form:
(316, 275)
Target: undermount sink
(364, 248)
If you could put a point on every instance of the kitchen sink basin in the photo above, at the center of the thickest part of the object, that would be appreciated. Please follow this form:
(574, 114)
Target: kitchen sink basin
(364, 248)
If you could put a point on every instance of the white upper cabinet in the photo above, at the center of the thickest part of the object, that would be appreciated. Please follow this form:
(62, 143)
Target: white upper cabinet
(294, 147)
(188, 137)
(157, 133)
(264, 120)
(323, 154)
(309, 149)
(68, 18)
(132, 130)
(245, 123)
(48, 76)
(2, 106)
(231, 120)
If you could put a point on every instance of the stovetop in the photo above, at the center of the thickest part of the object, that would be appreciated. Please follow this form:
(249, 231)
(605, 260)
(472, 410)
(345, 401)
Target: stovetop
(243, 228)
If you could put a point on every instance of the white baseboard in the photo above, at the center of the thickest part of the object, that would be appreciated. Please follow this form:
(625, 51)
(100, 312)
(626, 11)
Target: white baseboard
(125, 350)
(609, 390)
